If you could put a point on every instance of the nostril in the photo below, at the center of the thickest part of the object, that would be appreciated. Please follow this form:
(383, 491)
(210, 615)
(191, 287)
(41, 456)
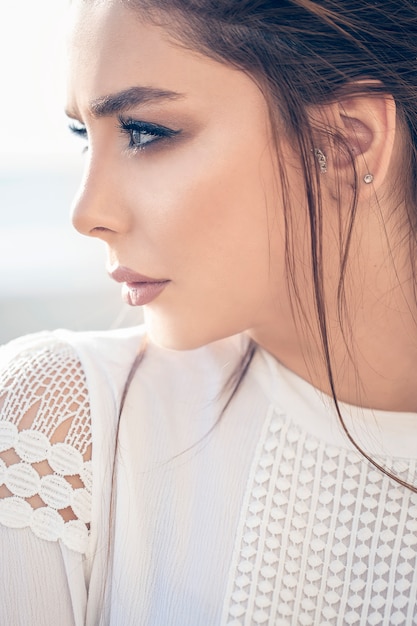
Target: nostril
(100, 231)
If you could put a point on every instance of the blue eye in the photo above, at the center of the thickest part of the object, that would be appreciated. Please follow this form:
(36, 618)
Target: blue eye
(79, 130)
(141, 134)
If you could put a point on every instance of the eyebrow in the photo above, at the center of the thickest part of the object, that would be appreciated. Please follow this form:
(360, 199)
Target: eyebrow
(128, 99)
(121, 101)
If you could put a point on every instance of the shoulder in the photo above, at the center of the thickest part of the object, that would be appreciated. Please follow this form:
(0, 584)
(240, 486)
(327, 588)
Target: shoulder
(65, 366)
(45, 427)
(45, 440)
(107, 344)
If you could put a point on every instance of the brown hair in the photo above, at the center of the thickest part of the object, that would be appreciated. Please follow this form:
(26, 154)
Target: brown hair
(303, 53)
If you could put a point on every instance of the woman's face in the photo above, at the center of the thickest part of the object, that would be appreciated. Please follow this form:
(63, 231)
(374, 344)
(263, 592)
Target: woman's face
(181, 180)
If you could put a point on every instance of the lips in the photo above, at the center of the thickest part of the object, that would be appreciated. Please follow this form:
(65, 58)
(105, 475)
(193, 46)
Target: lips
(138, 289)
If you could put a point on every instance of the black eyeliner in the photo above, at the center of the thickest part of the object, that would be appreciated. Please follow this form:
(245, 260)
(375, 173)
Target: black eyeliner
(79, 131)
(147, 129)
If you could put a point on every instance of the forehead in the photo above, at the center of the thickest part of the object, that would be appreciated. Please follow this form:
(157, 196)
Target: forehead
(108, 42)
(112, 48)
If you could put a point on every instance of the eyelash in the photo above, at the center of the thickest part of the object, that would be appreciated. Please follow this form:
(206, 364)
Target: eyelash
(129, 127)
(78, 131)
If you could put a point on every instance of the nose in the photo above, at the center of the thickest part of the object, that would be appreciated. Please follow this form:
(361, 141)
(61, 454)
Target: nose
(98, 209)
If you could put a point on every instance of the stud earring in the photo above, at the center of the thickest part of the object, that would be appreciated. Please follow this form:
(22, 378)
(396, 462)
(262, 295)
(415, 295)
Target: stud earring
(368, 178)
(321, 160)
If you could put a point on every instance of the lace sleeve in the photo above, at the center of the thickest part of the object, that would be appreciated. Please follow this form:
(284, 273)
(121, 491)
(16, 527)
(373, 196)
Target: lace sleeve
(45, 444)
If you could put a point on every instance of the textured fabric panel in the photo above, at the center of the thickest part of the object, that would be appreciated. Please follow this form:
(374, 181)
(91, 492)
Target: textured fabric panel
(45, 444)
(324, 538)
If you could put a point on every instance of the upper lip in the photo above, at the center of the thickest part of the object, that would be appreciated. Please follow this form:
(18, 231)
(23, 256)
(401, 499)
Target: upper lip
(126, 275)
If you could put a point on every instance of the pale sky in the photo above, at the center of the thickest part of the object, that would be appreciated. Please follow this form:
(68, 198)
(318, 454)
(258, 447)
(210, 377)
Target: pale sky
(32, 44)
(40, 162)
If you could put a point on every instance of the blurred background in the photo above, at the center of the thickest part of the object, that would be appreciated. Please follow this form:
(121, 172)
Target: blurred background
(50, 276)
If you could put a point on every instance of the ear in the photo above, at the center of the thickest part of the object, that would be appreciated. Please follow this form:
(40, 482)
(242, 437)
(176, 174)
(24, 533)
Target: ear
(369, 127)
(367, 124)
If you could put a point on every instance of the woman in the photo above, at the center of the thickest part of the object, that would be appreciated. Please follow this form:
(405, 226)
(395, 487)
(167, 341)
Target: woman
(249, 456)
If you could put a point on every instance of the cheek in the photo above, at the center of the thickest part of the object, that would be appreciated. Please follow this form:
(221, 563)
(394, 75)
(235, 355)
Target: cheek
(205, 201)
(207, 218)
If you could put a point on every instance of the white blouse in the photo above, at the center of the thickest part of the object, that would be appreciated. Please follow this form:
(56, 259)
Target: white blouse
(262, 515)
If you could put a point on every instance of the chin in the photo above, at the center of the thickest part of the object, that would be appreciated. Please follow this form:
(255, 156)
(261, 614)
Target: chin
(168, 334)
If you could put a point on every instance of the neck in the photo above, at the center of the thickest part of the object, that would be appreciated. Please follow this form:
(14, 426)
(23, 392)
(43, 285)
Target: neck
(373, 363)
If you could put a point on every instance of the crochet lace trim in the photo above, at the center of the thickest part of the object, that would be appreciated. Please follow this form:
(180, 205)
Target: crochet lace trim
(45, 445)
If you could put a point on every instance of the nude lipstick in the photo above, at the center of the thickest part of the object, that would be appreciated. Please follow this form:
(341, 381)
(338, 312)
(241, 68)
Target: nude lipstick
(138, 290)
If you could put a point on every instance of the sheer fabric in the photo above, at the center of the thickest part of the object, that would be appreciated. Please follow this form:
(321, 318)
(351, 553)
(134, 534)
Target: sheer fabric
(45, 445)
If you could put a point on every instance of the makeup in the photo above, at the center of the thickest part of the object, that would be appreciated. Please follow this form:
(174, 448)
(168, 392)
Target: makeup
(137, 289)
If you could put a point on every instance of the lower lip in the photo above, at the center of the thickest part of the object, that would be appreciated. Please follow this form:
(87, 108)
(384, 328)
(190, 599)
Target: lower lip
(139, 294)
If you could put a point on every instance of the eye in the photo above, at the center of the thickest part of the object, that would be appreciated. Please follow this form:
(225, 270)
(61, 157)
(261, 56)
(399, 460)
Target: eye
(79, 130)
(142, 134)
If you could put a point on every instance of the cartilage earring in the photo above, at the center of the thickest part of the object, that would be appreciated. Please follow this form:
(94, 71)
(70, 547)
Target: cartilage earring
(321, 160)
(368, 178)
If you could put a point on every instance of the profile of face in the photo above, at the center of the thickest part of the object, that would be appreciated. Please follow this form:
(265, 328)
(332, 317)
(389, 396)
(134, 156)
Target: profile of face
(181, 178)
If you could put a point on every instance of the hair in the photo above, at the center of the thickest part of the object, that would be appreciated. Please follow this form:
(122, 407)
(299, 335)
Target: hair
(305, 53)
